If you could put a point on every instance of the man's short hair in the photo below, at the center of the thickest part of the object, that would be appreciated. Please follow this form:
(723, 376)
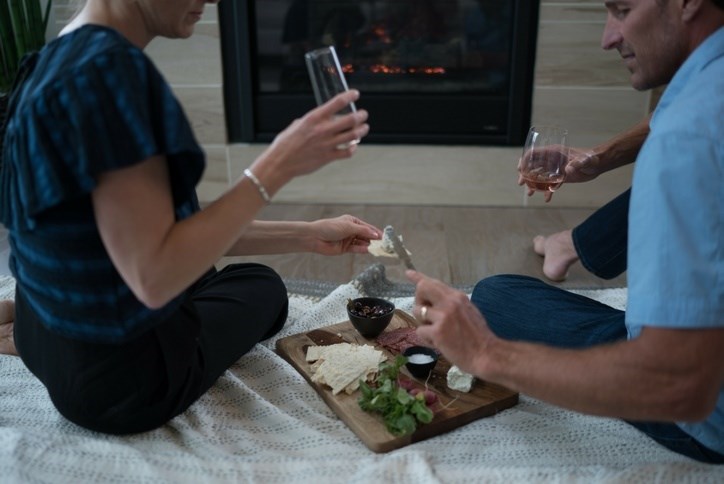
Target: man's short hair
(717, 3)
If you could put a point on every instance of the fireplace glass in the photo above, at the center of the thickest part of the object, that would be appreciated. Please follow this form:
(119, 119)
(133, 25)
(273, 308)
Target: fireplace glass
(430, 71)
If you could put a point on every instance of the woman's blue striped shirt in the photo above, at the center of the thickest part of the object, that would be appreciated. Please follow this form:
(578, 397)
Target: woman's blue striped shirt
(92, 102)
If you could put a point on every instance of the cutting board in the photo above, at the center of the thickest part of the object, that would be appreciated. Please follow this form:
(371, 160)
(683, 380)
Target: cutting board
(454, 410)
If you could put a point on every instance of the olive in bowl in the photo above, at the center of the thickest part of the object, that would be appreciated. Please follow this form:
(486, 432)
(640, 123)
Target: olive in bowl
(370, 315)
(420, 360)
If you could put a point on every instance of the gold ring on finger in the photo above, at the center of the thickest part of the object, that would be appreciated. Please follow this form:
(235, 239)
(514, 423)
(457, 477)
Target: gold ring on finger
(423, 313)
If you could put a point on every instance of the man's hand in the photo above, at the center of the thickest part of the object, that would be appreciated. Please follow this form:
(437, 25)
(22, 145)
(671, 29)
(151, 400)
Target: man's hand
(582, 166)
(450, 323)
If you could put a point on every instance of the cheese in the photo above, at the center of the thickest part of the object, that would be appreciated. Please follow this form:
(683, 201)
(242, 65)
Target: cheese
(384, 246)
(377, 249)
(387, 244)
(459, 380)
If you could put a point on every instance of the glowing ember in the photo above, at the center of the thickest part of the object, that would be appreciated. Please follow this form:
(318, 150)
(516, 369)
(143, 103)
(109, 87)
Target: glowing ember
(385, 69)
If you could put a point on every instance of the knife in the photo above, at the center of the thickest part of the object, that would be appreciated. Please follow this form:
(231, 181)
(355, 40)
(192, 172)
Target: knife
(402, 252)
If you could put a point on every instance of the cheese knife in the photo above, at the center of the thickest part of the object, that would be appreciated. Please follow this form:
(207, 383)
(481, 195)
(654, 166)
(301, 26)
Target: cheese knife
(402, 252)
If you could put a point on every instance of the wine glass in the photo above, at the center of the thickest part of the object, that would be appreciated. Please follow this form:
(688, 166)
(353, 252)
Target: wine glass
(545, 155)
(327, 78)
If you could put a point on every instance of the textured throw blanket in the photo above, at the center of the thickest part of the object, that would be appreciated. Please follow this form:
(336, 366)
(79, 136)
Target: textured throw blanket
(263, 423)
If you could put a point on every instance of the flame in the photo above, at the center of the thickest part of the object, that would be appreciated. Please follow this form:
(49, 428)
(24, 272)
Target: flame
(397, 70)
(427, 70)
(381, 33)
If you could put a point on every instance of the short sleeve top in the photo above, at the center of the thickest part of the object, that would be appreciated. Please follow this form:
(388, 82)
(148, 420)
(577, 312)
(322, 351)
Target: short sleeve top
(92, 102)
(676, 220)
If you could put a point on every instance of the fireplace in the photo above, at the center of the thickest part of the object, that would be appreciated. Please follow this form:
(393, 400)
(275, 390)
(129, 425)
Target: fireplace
(430, 71)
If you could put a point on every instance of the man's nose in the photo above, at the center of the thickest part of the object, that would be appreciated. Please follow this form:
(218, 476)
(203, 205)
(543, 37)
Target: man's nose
(611, 34)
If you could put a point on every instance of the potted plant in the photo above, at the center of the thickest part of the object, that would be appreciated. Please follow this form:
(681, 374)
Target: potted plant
(22, 29)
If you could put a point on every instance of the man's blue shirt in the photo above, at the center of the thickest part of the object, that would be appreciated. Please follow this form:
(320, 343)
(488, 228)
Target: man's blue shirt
(676, 238)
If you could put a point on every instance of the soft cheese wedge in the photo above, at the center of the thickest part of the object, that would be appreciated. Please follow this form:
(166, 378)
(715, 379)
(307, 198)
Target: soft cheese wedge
(459, 380)
(384, 247)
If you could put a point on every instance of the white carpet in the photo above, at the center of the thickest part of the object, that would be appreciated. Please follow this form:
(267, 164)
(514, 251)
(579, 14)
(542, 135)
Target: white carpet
(263, 423)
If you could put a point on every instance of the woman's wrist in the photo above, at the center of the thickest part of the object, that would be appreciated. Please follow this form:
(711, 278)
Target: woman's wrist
(263, 193)
(270, 171)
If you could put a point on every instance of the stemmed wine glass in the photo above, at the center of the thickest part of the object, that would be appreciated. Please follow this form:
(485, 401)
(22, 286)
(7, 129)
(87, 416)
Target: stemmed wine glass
(545, 155)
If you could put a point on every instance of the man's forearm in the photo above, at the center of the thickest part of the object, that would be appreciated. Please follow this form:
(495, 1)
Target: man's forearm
(623, 148)
(668, 375)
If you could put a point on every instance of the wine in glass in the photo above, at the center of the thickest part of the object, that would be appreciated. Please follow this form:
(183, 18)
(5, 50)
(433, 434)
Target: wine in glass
(545, 155)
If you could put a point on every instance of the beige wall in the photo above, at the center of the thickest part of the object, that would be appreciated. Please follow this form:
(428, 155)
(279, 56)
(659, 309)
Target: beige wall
(577, 85)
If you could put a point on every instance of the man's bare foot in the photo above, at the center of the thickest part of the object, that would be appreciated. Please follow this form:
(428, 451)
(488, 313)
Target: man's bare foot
(7, 321)
(558, 252)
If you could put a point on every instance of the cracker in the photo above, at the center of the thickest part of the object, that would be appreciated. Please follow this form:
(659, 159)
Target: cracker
(342, 365)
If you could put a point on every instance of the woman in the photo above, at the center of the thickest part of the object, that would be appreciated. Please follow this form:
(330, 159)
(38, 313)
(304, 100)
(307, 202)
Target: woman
(119, 310)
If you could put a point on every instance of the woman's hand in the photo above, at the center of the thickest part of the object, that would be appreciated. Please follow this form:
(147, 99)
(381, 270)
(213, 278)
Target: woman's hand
(312, 141)
(451, 323)
(342, 234)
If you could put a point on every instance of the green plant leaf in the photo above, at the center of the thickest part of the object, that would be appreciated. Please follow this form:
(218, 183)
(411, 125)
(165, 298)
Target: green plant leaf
(421, 412)
(22, 29)
(400, 411)
(36, 36)
(17, 14)
(8, 51)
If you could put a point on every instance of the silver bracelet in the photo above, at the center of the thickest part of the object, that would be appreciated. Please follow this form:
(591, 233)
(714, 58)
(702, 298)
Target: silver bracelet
(262, 191)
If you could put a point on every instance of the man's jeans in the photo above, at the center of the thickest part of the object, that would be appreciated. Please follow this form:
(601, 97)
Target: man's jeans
(527, 309)
(601, 240)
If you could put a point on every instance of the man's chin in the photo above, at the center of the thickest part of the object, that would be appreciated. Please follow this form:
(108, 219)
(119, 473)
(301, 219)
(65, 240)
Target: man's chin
(640, 84)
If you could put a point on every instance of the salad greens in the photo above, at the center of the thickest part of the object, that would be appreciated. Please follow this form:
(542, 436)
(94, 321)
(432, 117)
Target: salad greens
(400, 411)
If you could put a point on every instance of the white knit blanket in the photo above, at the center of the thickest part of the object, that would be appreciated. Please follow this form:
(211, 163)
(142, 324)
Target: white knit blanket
(263, 423)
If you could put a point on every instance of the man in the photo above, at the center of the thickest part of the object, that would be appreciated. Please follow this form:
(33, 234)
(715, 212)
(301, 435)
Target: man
(659, 365)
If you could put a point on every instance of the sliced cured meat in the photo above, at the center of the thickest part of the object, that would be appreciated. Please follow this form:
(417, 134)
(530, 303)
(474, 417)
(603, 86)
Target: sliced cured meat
(398, 340)
(394, 336)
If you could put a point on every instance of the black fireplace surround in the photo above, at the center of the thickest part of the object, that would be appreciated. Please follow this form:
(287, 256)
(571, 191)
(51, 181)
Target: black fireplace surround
(430, 71)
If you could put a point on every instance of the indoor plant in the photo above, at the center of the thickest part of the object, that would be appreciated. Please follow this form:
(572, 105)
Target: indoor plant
(23, 24)
(22, 29)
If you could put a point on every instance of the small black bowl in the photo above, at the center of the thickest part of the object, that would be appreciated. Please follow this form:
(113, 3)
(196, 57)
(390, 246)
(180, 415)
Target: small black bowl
(428, 357)
(370, 315)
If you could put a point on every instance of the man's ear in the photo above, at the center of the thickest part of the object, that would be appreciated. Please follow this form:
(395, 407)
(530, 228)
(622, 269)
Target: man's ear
(690, 8)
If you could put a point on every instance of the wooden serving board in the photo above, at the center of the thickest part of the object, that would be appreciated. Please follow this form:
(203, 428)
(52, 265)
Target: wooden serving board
(454, 409)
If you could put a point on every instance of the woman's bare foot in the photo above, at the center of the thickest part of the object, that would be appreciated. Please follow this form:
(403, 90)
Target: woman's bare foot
(558, 252)
(7, 321)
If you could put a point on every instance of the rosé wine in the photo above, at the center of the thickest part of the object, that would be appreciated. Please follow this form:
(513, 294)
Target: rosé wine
(543, 181)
